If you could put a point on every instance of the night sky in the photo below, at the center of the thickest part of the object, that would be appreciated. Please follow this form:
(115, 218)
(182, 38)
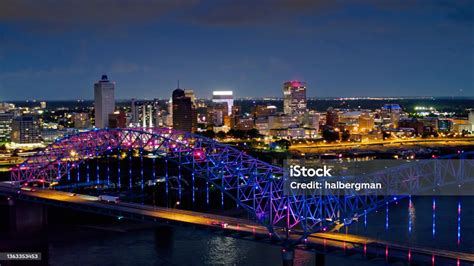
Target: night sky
(56, 50)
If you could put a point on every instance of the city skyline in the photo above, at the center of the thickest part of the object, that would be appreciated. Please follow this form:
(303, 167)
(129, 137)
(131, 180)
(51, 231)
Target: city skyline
(341, 50)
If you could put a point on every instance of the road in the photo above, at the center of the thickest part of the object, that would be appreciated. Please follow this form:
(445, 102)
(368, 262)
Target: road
(428, 142)
(329, 241)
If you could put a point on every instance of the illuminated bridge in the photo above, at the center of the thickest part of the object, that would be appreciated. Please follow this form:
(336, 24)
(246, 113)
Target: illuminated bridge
(199, 170)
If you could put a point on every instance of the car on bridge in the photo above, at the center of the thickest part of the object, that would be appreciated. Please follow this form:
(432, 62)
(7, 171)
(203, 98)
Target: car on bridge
(220, 224)
(40, 183)
(108, 198)
(27, 189)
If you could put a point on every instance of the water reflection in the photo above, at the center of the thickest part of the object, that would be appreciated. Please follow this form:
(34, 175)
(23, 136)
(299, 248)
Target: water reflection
(411, 215)
(221, 251)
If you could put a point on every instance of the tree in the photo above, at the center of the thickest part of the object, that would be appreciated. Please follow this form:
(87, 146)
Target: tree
(209, 133)
(464, 133)
(283, 144)
(330, 135)
(346, 135)
(253, 133)
(425, 134)
(235, 133)
(221, 134)
(386, 135)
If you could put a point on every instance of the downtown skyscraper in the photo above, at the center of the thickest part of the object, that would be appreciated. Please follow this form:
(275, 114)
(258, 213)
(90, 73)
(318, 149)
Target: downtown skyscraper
(184, 112)
(104, 101)
(224, 97)
(294, 97)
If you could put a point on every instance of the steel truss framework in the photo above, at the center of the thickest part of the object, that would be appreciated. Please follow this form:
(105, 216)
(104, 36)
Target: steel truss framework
(256, 186)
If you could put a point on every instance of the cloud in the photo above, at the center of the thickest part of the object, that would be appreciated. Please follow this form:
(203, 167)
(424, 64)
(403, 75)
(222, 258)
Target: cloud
(129, 67)
(460, 13)
(73, 12)
(118, 67)
(43, 73)
(454, 10)
(249, 12)
(64, 15)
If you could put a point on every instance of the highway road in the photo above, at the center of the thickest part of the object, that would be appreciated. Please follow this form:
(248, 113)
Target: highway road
(453, 142)
(331, 241)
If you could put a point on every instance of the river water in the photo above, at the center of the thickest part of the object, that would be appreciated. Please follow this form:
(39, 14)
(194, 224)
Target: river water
(112, 242)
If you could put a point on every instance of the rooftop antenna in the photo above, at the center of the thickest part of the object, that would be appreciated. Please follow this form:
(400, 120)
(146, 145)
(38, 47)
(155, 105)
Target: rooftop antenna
(178, 83)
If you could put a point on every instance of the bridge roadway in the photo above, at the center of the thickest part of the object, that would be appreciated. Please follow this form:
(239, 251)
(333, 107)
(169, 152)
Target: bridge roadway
(323, 243)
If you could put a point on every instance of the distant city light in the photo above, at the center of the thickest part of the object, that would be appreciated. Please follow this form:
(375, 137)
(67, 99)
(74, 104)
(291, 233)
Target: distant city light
(222, 93)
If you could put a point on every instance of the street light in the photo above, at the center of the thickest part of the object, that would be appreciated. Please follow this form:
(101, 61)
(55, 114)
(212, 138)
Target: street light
(176, 204)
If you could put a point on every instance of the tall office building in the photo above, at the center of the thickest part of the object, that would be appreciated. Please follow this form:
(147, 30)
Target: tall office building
(366, 122)
(332, 117)
(391, 112)
(26, 129)
(184, 113)
(144, 113)
(224, 97)
(471, 119)
(294, 97)
(5, 126)
(118, 120)
(104, 101)
(191, 95)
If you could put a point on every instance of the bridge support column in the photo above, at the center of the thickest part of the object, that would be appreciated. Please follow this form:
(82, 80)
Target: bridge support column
(27, 216)
(287, 257)
(320, 259)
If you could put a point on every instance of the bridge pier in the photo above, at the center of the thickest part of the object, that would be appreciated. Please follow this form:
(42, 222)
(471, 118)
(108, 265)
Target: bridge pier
(27, 216)
(287, 257)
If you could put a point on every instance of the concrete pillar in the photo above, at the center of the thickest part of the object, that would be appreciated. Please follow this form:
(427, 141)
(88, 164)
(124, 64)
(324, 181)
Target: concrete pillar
(287, 257)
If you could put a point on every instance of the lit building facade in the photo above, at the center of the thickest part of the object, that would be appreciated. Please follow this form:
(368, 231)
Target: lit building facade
(294, 97)
(145, 114)
(332, 117)
(224, 97)
(391, 115)
(118, 120)
(190, 93)
(264, 110)
(26, 130)
(5, 126)
(104, 101)
(471, 119)
(81, 120)
(366, 122)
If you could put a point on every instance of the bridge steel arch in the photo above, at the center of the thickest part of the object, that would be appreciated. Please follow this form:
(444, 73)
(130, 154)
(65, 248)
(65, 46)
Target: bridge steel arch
(255, 185)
